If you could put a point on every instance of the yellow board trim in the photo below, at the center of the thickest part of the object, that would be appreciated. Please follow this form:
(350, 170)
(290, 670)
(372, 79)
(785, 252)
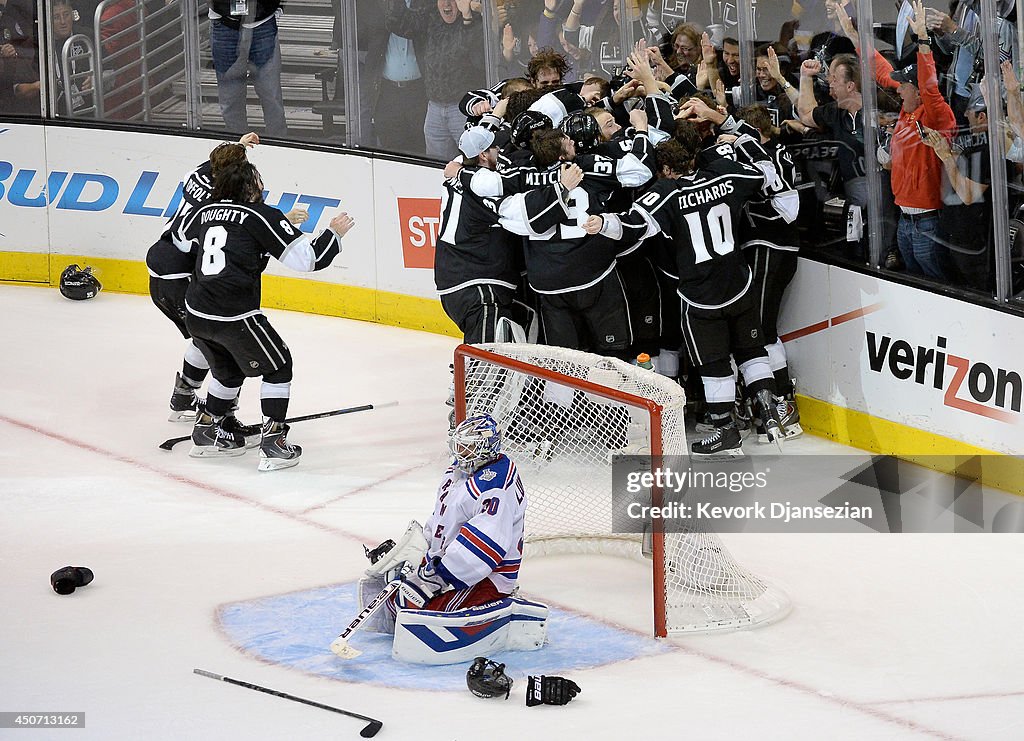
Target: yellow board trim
(861, 430)
(846, 426)
(295, 294)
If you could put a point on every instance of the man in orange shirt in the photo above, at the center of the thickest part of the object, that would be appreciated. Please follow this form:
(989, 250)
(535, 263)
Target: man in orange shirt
(916, 170)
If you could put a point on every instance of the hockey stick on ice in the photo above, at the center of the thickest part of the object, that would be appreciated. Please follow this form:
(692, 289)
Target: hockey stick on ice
(368, 732)
(169, 444)
(340, 645)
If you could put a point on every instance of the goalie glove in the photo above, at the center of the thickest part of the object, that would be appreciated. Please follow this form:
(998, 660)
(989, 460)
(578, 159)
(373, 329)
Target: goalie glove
(417, 589)
(410, 548)
(550, 691)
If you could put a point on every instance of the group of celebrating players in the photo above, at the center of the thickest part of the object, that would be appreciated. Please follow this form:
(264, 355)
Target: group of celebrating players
(625, 217)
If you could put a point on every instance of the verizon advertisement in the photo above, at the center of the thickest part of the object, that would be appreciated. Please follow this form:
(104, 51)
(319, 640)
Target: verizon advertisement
(908, 356)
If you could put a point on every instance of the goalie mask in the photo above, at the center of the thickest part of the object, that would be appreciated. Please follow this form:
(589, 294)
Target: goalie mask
(487, 678)
(78, 283)
(474, 442)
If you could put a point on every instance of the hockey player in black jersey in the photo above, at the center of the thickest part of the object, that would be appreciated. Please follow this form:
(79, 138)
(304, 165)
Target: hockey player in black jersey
(582, 300)
(700, 212)
(574, 97)
(170, 270)
(231, 239)
(633, 263)
(475, 268)
(770, 241)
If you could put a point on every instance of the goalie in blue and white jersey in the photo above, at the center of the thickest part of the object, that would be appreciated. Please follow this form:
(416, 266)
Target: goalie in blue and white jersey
(475, 534)
(456, 574)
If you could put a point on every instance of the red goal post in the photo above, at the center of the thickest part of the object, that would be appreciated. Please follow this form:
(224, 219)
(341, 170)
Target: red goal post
(564, 414)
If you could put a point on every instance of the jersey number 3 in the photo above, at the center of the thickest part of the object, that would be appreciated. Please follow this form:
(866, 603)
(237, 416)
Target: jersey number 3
(213, 250)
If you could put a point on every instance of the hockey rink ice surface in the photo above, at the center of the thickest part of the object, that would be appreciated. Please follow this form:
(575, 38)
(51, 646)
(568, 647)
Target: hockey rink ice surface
(209, 564)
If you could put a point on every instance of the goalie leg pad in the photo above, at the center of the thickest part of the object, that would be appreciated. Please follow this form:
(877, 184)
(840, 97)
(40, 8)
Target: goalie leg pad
(428, 637)
(383, 620)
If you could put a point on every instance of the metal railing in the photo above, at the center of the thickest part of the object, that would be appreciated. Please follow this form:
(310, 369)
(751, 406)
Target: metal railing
(78, 73)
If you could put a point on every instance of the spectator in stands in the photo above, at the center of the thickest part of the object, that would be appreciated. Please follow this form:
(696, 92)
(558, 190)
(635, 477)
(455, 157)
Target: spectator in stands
(17, 30)
(18, 68)
(449, 46)
(401, 104)
(729, 68)
(593, 27)
(916, 171)
(245, 43)
(774, 88)
(842, 120)
(685, 54)
(964, 230)
(78, 91)
(818, 32)
(960, 36)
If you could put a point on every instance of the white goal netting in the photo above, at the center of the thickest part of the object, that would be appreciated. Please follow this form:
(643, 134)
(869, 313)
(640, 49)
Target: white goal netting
(563, 435)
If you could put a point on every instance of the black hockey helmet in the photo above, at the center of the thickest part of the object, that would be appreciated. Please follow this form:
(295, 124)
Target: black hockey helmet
(79, 283)
(487, 678)
(582, 128)
(525, 124)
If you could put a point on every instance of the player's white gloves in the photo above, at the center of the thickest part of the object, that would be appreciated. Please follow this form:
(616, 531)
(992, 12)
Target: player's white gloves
(418, 588)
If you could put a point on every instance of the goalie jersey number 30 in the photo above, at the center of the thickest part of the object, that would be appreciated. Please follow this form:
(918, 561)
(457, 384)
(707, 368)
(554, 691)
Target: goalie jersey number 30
(477, 526)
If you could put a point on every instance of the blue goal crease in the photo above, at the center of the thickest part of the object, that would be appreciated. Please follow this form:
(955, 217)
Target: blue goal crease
(295, 630)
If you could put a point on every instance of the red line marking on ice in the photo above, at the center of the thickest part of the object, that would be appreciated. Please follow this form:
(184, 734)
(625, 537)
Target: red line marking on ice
(750, 671)
(843, 702)
(367, 487)
(201, 485)
(950, 698)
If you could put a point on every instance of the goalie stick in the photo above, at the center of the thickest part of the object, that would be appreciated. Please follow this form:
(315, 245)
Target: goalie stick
(368, 732)
(340, 645)
(170, 443)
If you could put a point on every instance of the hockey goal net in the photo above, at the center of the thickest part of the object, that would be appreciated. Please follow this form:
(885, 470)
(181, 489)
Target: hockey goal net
(564, 414)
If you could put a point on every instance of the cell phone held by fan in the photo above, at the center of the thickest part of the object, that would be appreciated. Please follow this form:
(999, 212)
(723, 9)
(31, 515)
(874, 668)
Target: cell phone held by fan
(920, 130)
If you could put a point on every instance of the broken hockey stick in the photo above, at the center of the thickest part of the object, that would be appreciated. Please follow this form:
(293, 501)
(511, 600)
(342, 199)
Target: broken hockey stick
(340, 645)
(368, 732)
(169, 444)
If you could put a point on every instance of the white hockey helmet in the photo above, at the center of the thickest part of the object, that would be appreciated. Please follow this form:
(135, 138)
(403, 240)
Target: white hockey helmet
(475, 442)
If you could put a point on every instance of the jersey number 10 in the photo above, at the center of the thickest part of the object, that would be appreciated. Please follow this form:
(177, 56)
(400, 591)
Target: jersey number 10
(719, 229)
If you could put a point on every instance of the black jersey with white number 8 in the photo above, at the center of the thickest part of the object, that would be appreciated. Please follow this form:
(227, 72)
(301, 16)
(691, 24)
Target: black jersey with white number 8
(231, 244)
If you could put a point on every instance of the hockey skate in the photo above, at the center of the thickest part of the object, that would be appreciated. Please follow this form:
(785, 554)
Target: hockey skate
(704, 424)
(211, 440)
(772, 417)
(253, 434)
(790, 418)
(275, 450)
(722, 443)
(185, 405)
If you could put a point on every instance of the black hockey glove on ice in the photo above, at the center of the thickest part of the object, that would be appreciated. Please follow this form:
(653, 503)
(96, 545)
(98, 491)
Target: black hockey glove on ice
(550, 691)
